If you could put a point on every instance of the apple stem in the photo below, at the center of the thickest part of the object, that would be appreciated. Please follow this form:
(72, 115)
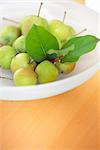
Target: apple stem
(6, 78)
(64, 17)
(10, 20)
(55, 60)
(40, 9)
(81, 32)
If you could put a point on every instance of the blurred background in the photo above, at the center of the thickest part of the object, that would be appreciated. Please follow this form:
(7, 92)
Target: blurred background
(94, 4)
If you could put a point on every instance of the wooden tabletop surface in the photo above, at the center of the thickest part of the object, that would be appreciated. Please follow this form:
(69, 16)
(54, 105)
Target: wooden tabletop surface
(69, 121)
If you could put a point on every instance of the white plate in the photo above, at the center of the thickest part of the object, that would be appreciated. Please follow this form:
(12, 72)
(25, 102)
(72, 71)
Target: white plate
(80, 17)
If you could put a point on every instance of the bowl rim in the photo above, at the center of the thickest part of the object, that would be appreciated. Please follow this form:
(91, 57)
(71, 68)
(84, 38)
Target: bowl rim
(58, 81)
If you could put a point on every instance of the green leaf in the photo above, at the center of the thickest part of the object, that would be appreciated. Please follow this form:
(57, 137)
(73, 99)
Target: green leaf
(39, 41)
(52, 54)
(65, 51)
(82, 45)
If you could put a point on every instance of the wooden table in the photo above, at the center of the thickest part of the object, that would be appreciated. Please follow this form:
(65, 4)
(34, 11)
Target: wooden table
(65, 122)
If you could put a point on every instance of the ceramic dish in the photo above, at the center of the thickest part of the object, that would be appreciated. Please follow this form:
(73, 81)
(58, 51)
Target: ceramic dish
(80, 17)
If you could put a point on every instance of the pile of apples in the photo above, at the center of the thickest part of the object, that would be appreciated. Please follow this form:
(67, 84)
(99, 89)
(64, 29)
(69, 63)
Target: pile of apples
(13, 53)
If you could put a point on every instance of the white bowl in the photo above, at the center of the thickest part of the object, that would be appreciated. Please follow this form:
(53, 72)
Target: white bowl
(78, 16)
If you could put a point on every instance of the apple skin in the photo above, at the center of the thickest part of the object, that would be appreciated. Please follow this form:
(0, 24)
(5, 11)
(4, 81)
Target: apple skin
(60, 44)
(6, 55)
(66, 67)
(61, 31)
(25, 77)
(9, 34)
(34, 20)
(20, 61)
(22, 21)
(46, 72)
(72, 32)
(19, 44)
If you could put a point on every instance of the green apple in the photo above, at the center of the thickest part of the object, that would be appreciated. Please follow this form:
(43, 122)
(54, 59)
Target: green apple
(72, 32)
(60, 44)
(22, 21)
(6, 55)
(47, 72)
(65, 67)
(34, 20)
(20, 61)
(25, 77)
(61, 31)
(19, 44)
(27, 22)
(9, 34)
